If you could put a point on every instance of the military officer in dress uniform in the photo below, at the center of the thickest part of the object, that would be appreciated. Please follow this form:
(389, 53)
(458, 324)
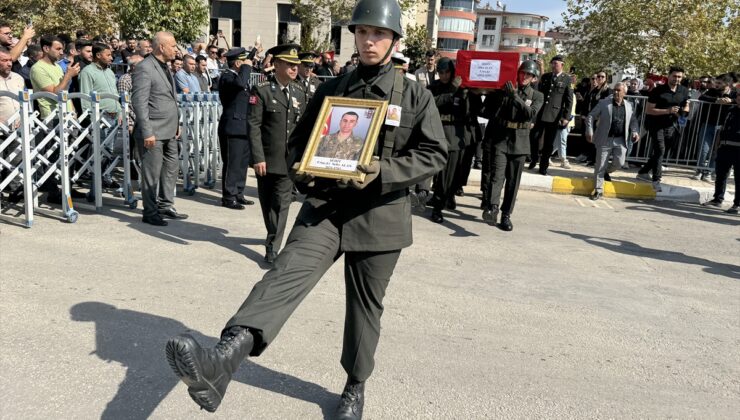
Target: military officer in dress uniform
(511, 112)
(368, 222)
(277, 106)
(233, 133)
(454, 105)
(306, 78)
(555, 113)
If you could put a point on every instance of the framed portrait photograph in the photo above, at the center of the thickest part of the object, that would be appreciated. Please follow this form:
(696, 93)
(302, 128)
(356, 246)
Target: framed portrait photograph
(343, 137)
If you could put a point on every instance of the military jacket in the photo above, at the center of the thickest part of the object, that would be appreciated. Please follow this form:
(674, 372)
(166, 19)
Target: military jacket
(456, 106)
(309, 85)
(377, 218)
(330, 146)
(272, 117)
(510, 118)
(233, 91)
(558, 97)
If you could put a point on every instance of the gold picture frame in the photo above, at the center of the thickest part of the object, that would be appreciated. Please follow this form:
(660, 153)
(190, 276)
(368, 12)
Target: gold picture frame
(344, 136)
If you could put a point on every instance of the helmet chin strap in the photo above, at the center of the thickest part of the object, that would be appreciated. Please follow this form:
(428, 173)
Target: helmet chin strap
(390, 50)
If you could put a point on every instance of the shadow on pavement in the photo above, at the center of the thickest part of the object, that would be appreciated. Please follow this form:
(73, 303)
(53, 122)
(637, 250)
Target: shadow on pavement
(183, 232)
(631, 248)
(137, 341)
(689, 211)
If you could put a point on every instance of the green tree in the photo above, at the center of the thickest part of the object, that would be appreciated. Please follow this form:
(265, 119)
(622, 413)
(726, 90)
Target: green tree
(417, 43)
(702, 36)
(184, 18)
(314, 14)
(60, 16)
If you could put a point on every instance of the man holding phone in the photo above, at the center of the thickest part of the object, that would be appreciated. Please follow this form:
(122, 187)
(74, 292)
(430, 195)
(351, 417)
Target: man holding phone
(6, 42)
(665, 105)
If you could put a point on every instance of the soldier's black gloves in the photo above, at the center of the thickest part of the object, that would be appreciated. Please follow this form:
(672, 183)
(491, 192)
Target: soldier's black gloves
(371, 170)
(302, 177)
(509, 88)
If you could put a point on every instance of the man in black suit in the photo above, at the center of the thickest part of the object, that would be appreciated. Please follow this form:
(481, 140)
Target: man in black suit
(555, 113)
(276, 107)
(233, 134)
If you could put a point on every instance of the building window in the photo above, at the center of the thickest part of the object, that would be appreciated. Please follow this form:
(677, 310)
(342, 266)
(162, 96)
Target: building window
(450, 24)
(336, 38)
(520, 41)
(489, 24)
(528, 41)
(547, 45)
(451, 44)
(488, 40)
(466, 5)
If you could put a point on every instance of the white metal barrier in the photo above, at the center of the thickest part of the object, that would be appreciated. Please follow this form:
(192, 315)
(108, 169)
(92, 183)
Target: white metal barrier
(698, 139)
(66, 148)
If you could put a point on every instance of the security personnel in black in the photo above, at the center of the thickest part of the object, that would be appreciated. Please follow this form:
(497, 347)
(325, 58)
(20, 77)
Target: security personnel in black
(233, 133)
(511, 112)
(368, 222)
(555, 113)
(277, 106)
(454, 105)
(308, 81)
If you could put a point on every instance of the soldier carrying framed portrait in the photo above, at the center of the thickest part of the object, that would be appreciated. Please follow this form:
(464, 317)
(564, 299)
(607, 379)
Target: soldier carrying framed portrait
(343, 137)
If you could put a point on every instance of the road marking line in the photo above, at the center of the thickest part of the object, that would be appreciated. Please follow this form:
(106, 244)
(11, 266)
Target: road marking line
(578, 200)
(608, 205)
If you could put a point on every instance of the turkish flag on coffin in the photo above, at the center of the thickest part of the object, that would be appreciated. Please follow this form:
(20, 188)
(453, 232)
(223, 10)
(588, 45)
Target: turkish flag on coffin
(485, 69)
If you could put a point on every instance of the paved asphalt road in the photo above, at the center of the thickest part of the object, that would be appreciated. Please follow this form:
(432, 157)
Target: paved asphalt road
(621, 309)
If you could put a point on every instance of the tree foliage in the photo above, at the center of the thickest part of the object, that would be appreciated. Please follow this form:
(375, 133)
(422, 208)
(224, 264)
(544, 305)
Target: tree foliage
(701, 36)
(417, 43)
(60, 16)
(184, 18)
(315, 14)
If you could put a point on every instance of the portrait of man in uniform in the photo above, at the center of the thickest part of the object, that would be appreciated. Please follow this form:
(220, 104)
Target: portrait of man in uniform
(344, 143)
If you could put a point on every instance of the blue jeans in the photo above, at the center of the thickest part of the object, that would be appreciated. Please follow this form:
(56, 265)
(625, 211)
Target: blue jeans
(561, 142)
(705, 148)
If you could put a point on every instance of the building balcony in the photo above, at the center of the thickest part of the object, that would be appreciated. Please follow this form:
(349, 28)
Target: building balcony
(521, 31)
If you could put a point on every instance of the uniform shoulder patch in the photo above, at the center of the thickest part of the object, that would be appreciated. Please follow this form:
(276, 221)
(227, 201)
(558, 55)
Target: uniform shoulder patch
(253, 100)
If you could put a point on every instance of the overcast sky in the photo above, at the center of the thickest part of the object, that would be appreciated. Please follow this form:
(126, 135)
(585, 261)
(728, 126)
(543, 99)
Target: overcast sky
(550, 8)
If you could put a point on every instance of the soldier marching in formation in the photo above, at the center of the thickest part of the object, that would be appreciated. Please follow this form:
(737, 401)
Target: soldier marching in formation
(368, 222)
(455, 104)
(511, 112)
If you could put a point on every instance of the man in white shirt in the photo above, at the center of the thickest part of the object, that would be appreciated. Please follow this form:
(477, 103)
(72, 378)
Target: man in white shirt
(13, 83)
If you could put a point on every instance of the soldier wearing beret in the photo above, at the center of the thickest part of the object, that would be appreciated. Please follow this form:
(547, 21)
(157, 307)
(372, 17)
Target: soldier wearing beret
(233, 132)
(555, 113)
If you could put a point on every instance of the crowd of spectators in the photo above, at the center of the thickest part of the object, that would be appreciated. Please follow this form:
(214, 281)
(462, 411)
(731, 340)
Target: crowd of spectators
(82, 62)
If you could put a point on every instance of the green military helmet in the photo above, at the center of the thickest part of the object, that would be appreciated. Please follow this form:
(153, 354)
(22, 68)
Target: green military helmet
(530, 67)
(446, 64)
(381, 13)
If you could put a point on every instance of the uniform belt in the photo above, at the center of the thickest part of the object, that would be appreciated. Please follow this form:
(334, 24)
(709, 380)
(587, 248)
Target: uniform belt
(515, 125)
(447, 118)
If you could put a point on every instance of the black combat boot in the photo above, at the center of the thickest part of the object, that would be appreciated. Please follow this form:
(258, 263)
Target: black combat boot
(351, 402)
(207, 372)
(506, 223)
